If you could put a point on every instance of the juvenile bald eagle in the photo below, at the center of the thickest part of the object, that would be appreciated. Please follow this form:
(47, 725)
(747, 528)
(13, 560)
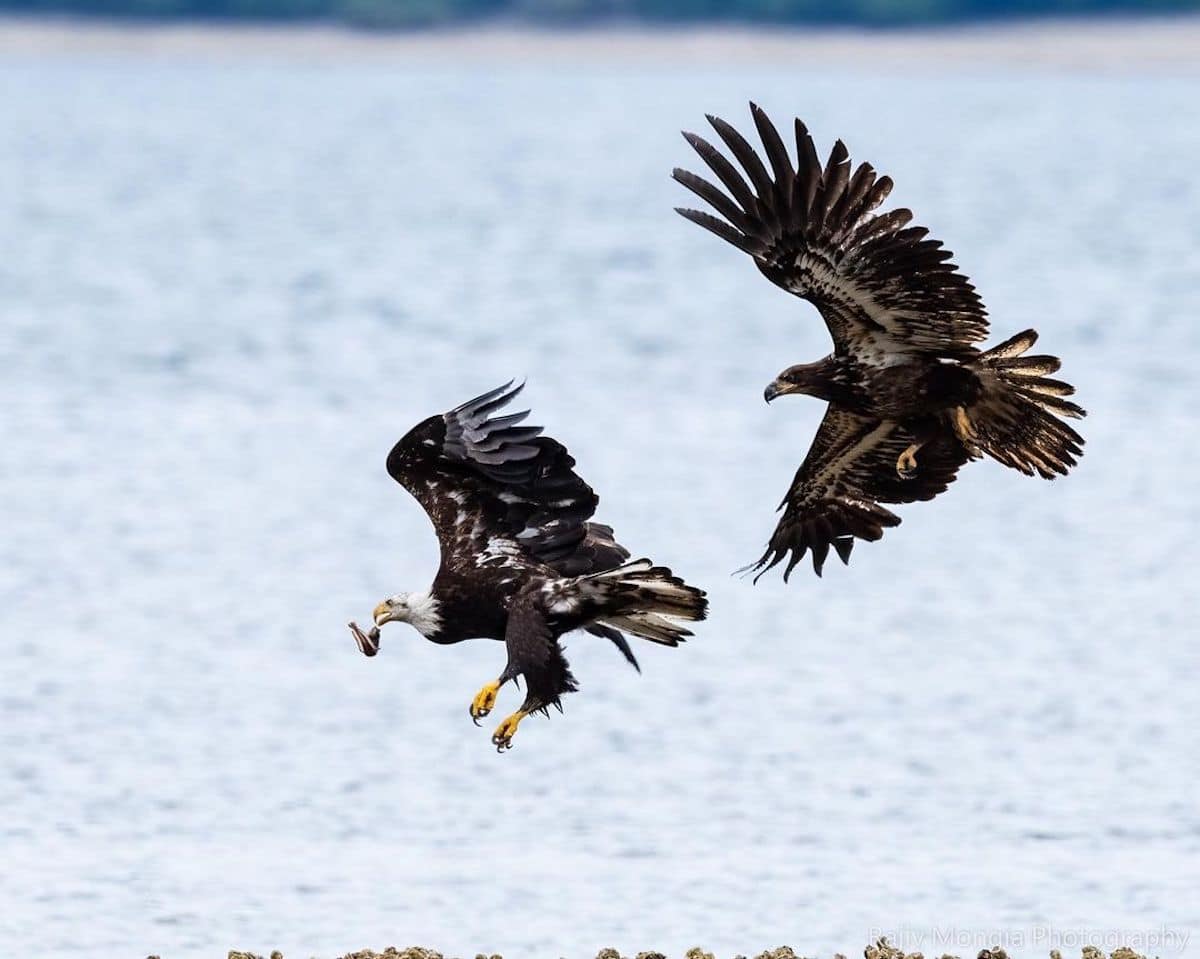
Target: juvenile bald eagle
(520, 560)
(911, 398)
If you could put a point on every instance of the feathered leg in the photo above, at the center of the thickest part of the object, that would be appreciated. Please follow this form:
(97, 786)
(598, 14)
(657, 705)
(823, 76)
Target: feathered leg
(533, 652)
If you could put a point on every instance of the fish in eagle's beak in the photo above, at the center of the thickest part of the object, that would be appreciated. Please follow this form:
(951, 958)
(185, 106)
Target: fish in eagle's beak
(368, 642)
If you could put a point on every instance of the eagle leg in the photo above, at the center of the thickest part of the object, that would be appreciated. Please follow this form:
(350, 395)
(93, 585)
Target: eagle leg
(964, 428)
(503, 736)
(484, 700)
(921, 431)
(906, 463)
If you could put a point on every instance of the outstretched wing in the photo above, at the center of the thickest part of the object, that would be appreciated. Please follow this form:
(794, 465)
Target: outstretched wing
(849, 470)
(496, 489)
(882, 286)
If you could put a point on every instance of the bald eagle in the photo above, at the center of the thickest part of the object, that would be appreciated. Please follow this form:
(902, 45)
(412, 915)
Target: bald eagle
(520, 560)
(911, 397)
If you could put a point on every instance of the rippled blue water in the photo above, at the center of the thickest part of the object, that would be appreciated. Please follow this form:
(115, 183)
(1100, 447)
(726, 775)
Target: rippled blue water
(226, 289)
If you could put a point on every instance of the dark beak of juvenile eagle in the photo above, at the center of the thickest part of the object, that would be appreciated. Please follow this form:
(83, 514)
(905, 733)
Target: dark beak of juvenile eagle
(804, 378)
(781, 386)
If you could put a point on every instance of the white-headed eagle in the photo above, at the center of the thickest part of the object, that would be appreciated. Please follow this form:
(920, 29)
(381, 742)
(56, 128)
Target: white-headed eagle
(911, 397)
(520, 560)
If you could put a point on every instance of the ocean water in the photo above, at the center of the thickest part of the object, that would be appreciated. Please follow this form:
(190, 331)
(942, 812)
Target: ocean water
(227, 288)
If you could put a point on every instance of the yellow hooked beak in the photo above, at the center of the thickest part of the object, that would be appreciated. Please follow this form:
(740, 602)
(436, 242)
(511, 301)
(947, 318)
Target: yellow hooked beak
(382, 613)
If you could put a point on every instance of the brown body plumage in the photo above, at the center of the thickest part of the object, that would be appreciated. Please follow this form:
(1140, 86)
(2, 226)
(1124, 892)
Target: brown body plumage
(911, 396)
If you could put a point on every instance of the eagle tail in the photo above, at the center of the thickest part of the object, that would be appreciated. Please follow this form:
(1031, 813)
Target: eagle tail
(651, 626)
(1018, 418)
(647, 601)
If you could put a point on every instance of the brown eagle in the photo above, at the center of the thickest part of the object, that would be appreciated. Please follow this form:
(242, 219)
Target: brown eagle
(520, 560)
(911, 397)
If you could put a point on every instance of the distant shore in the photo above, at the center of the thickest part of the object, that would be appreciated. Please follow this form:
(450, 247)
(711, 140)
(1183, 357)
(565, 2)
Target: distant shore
(1169, 45)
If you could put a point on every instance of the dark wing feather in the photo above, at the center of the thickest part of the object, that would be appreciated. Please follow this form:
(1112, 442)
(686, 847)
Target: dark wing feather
(597, 551)
(882, 289)
(617, 638)
(489, 481)
(849, 470)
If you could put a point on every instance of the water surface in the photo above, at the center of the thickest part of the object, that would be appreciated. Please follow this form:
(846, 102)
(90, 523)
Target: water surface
(228, 288)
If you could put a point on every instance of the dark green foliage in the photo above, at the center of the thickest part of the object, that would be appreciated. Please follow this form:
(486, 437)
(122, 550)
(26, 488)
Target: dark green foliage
(400, 14)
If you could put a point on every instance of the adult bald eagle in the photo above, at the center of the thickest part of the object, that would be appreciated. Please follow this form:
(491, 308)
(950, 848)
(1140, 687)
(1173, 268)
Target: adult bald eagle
(911, 398)
(520, 559)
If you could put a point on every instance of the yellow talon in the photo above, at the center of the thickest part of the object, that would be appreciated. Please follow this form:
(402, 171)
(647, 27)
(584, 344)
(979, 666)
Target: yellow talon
(502, 737)
(906, 465)
(484, 700)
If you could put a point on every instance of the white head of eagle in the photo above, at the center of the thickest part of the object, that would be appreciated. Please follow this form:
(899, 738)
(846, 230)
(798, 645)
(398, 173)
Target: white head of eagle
(419, 610)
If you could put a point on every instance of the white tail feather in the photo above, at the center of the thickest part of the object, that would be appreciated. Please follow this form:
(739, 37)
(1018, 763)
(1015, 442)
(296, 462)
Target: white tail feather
(645, 600)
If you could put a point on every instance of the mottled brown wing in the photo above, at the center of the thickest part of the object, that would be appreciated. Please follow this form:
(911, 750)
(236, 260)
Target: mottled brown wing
(849, 470)
(882, 286)
(498, 491)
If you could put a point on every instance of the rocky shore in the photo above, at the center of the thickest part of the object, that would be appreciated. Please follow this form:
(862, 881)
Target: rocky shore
(880, 950)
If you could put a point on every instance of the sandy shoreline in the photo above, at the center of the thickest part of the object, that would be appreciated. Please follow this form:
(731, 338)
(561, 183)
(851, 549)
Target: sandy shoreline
(1168, 45)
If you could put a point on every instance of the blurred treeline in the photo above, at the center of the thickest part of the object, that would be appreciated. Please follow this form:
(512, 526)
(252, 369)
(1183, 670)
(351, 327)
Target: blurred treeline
(416, 13)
